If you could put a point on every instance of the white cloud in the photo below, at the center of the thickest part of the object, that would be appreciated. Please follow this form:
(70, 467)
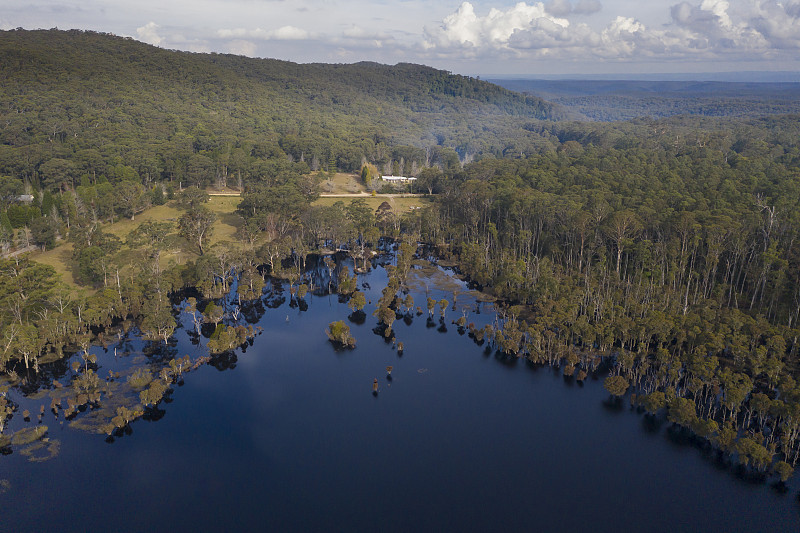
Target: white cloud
(357, 32)
(466, 29)
(706, 30)
(179, 41)
(710, 27)
(546, 36)
(149, 34)
(242, 48)
(284, 33)
(709, 17)
(356, 37)
(289, 33)
(779, 23)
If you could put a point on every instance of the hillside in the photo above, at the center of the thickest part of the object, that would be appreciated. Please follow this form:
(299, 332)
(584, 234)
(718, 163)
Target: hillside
(67, 92)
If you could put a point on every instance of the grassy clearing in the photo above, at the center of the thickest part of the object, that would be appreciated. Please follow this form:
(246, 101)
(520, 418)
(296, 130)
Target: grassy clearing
(58, 258)
(224, 206)
(342, 184)
(161, 213)
(228, 222)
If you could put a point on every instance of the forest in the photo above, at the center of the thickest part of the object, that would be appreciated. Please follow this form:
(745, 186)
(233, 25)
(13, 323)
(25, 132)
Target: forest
(668, 247)
(614, 100)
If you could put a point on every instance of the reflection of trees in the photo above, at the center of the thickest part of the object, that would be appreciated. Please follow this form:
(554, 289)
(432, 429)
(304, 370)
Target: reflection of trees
(153, 413)
(159, 354)
(357, 317)
(252, 311)
(224, 361)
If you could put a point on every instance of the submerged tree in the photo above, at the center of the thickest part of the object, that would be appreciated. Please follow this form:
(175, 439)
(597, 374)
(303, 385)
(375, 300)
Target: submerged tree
(616, 385)
(386, 316)
(339, 333)
(357, 301)
(225, 338)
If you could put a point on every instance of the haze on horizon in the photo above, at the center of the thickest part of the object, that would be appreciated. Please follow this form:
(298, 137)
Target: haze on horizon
(487, 38)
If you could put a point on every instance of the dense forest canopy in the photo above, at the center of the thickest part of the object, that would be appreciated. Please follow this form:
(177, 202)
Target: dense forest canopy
(626, 99)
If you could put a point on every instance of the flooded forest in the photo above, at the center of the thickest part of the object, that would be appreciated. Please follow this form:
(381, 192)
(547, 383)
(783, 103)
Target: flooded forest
(215, 311)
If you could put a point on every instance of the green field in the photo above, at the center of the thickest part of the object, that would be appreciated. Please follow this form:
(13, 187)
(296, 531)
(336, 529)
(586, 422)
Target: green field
(342, 183)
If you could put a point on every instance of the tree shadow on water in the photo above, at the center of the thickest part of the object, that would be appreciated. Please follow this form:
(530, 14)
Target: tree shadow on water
(380, 330)
(505, 359)
(357, 317)
(652, 424)
(613, 404)
(224, 361)
(781, 488)
(153, 413)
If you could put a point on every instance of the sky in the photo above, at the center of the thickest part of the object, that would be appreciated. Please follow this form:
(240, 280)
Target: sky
(479, 37)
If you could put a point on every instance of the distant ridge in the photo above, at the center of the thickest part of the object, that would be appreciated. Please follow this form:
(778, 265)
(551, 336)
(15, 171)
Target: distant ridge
(752, 76)
(613, 100)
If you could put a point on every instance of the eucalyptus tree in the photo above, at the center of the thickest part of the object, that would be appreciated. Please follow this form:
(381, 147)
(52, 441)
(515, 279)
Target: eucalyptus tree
(130, 198)
(158, 321)
(197, 226)
(339, 333)
(153, 238)
(357, 301)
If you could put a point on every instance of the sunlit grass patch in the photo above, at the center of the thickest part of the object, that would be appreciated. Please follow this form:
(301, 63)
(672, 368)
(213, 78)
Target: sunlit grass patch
(342, 183)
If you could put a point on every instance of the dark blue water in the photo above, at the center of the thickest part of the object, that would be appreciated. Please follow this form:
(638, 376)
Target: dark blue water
(293, 439)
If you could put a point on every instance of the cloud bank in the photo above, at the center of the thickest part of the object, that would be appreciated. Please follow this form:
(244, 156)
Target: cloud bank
(695, 31)
(476, 35)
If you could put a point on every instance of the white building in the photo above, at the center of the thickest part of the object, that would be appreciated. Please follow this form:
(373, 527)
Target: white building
(397, 179)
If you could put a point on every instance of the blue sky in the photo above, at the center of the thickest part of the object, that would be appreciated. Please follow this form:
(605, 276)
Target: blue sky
(477, 38)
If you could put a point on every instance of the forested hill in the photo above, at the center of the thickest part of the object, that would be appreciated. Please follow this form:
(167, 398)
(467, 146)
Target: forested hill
(90, 89)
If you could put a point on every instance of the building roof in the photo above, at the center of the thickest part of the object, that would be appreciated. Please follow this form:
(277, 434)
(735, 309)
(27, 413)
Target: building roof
(397, 178)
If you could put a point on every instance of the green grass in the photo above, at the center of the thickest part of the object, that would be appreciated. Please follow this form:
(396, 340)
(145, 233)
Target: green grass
(228, 222)
(161, 213)
(58, 258)
(224, 229)
(342, 183)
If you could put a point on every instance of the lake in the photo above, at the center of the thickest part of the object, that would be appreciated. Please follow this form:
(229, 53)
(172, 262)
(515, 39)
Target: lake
(287, 435)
